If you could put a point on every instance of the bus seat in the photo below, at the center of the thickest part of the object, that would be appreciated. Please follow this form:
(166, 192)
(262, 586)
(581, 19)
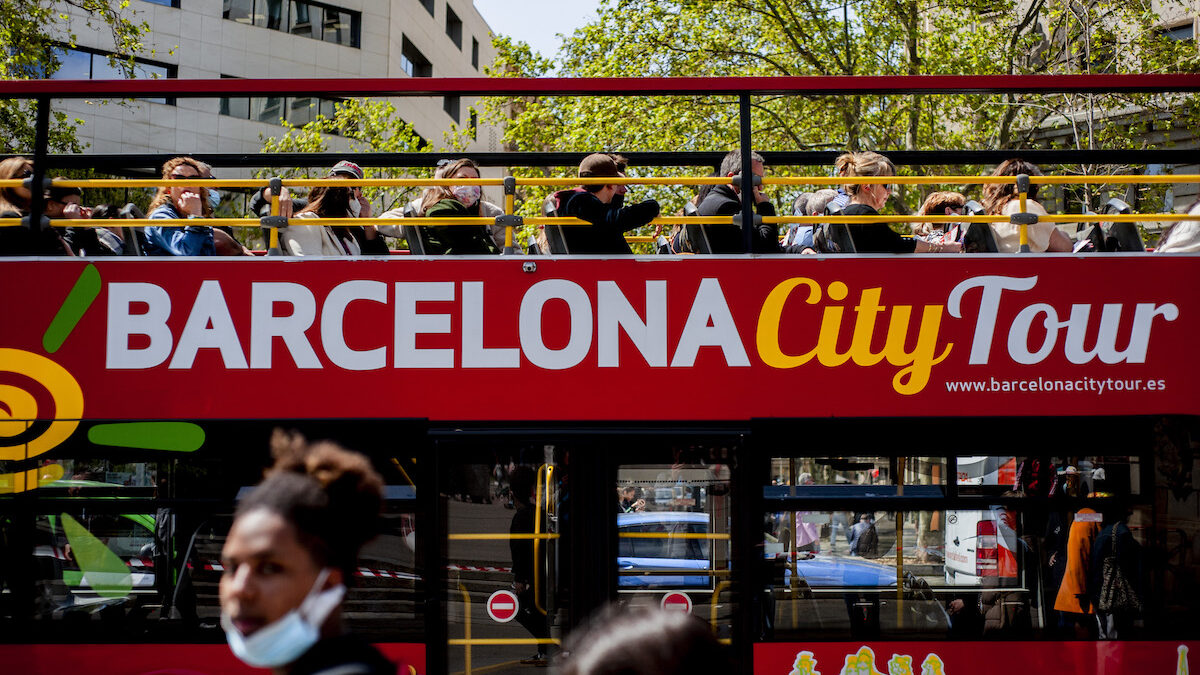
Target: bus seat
(695, 234)
(1122, 236)
(833, 237)
(978, 237)
(135, 237)
(556, 239)
(414, 235)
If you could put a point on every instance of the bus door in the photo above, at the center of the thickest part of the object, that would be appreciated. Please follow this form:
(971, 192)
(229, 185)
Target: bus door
(502, 504)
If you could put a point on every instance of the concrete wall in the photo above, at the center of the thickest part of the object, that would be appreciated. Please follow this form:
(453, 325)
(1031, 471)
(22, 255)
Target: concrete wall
(201, 44)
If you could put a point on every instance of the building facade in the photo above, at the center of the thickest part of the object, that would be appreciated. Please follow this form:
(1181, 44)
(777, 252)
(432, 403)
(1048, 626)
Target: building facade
(197, 39)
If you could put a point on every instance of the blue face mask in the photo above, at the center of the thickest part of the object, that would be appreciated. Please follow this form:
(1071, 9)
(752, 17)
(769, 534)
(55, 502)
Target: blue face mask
(286, 640)
(214, 198)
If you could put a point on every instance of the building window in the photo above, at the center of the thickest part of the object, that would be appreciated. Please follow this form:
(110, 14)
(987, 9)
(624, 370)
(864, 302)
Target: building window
(412, 61)
(164, 3)
(428, 5)
(475, 53)
(1185, 31)
(451, 105)
(298, 110)
(91, 64)
(308, 19)
(473, 123)
(453, 27)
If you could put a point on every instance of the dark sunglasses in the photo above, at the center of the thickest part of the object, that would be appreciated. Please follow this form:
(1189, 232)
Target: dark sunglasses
(179, 176)
(26, 173)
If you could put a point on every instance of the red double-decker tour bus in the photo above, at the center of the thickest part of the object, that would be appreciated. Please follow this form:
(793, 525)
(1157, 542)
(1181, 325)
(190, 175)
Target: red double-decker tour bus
(854, 463)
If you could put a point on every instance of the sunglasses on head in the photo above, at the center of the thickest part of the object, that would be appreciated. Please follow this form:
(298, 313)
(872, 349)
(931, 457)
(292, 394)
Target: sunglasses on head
(26, 173)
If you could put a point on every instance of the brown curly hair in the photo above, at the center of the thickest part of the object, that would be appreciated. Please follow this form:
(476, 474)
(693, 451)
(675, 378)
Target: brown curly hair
(332, 496)
(996, 195)
(163, 196)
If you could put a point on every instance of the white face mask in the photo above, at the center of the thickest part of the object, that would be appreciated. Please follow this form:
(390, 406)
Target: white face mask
(286, 639)
(355, 205)
(467, 194)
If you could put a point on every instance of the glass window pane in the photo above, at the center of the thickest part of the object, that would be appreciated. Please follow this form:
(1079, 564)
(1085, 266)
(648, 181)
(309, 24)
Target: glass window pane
(301, 110)
(238, 10)
(267, 109)
(74, 65)
(102, 69)
(337, 27)
(269, 13)
(236, 107)
(300, 20)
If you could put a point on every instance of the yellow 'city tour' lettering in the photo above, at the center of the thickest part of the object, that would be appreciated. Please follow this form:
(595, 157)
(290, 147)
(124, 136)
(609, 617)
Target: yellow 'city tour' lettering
(918, 363)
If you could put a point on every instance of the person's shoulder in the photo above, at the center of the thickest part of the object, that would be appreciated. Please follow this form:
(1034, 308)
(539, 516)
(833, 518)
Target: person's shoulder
(343, 655)
(1031, 206)
(307, 214)
(859, 210)
(446, 207)
(163, 212)
(715, 202)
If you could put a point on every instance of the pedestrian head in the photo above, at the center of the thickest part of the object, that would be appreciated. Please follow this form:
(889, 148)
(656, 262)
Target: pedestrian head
(293, 548)
(645, 641)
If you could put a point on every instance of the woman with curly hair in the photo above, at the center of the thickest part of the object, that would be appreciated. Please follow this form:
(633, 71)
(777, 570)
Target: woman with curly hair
(291, 551)
(183, 199)
(1001, 199)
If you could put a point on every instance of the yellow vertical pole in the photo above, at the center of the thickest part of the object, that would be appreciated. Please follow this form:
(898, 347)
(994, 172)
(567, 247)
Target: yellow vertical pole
(900, 544)
(466, 628)
(537, 540)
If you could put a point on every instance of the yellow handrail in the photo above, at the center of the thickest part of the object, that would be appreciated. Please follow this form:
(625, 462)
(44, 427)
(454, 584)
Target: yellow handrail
(663, 220)
(1120, 179)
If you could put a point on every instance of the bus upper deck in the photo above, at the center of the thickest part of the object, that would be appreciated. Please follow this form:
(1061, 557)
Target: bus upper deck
(881, 462)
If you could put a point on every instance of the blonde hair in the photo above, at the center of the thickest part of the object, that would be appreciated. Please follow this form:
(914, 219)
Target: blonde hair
(163, 196)
(935, 204)
(11, 168)
(867, 163)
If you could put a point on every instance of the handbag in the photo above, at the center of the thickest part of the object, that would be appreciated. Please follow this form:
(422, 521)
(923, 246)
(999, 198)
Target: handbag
(1116, 592)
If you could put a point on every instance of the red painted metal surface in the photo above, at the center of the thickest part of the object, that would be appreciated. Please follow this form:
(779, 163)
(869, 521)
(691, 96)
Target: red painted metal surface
(480, 86)
(706, 338)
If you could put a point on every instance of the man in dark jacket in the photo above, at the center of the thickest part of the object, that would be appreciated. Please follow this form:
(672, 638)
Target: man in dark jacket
(726, 200)
(596, 204)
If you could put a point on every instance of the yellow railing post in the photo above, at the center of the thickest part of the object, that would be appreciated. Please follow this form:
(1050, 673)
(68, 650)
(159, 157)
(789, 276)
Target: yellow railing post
(466, 628)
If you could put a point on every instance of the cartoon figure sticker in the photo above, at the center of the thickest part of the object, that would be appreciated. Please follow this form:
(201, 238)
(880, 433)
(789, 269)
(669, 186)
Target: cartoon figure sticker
(806, 664)
(862, 662)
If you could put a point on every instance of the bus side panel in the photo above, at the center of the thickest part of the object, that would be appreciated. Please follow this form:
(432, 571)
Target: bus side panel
(974, 658)
(160, 659)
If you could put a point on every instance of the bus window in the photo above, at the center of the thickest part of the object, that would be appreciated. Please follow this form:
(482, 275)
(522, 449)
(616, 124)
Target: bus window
(673, 531)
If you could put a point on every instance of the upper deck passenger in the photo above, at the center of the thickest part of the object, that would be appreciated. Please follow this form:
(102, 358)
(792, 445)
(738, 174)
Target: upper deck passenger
(867, 198)
(14, 203)
(334, 202)
(1001, 199)
(458, 201)
(181, 200)
(595, 204)
(725, 200)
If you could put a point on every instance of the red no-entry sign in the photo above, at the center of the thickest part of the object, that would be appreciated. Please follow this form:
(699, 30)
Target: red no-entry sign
(502, 606)
(678, 601)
